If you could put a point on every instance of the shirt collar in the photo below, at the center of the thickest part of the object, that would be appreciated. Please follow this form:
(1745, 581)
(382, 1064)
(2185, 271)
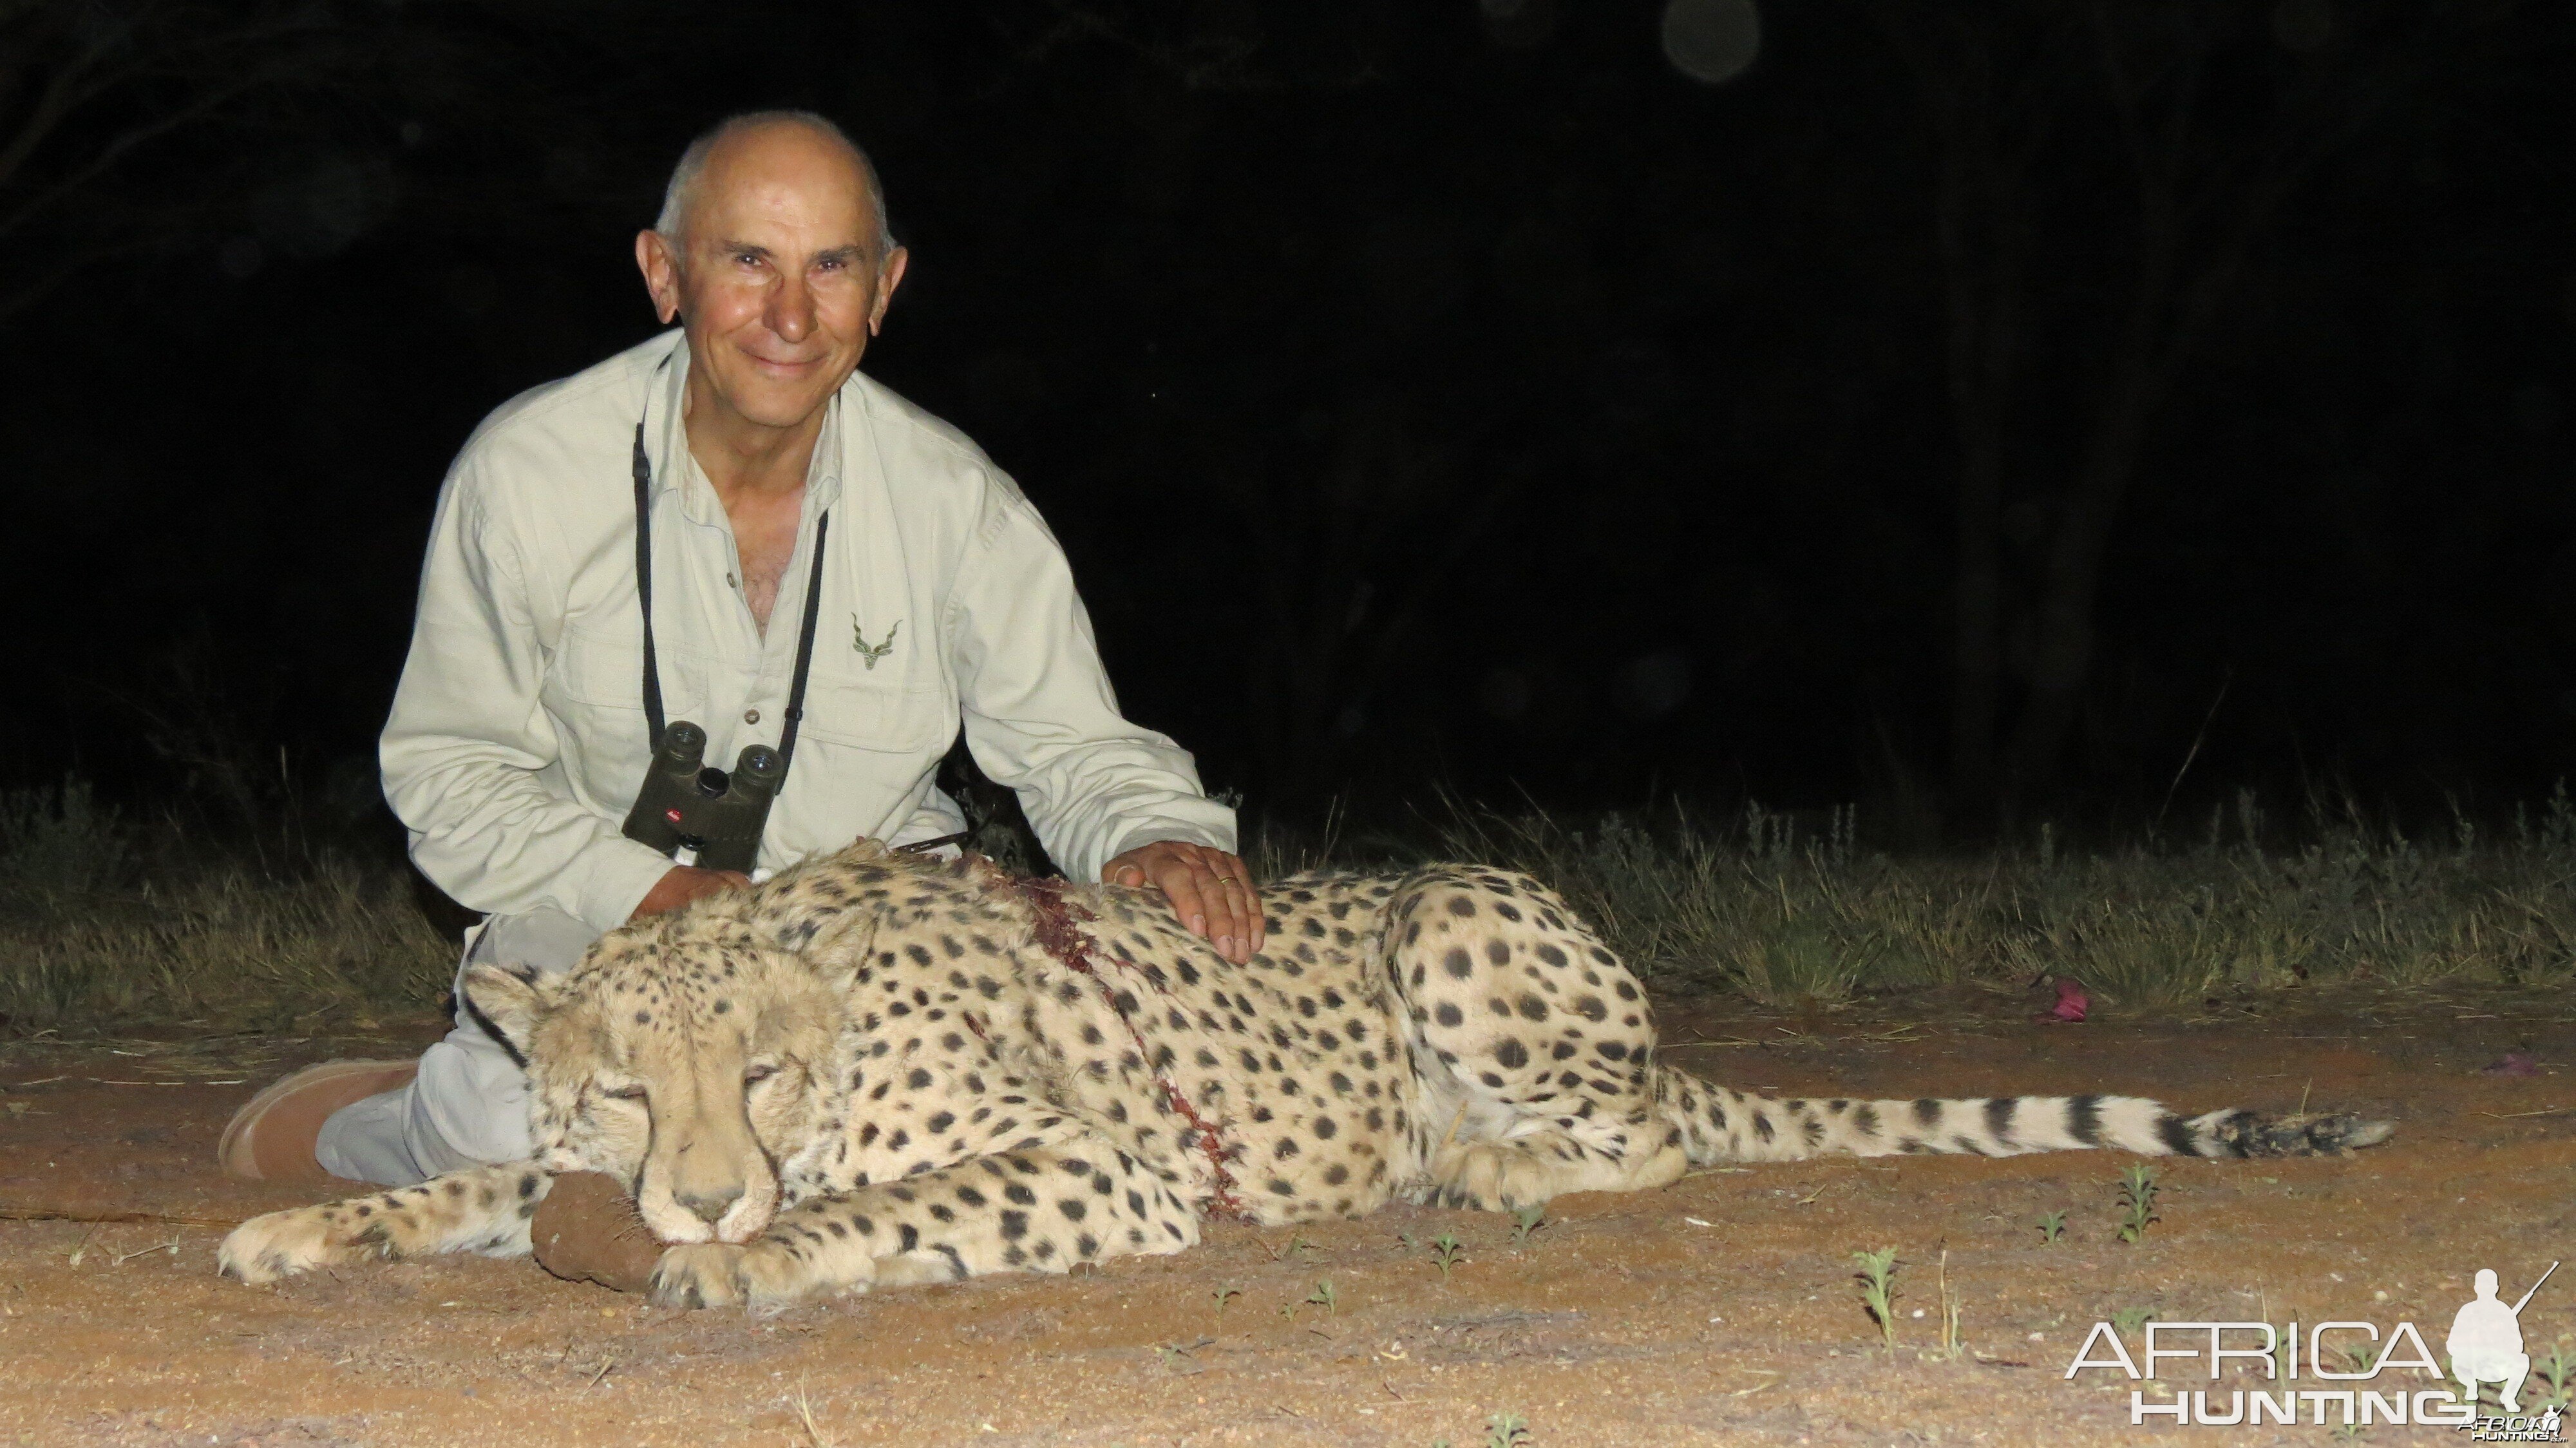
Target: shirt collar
(666, 443)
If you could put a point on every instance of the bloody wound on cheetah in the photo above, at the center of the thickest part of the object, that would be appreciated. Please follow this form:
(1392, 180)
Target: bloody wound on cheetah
(877, 1070)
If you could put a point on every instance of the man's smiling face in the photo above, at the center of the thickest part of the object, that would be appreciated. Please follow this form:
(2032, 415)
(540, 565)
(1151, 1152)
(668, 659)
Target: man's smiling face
(775, 272)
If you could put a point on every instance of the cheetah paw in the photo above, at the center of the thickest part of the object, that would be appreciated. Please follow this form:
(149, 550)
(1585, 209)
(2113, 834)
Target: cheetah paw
(698, 1274)
(282, 1244)
(1485, 1177)
(763, 1276)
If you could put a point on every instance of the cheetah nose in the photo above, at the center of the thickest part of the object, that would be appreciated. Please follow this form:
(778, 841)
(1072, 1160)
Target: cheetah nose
(710, 1206)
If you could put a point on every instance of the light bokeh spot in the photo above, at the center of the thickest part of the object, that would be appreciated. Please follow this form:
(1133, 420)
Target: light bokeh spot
(1712, 41)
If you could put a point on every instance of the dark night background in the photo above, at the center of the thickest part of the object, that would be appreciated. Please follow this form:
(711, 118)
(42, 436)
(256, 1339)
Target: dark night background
(1962, 409)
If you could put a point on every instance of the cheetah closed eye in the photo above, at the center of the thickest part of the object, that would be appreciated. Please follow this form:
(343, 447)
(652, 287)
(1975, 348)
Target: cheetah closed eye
(877, 1070)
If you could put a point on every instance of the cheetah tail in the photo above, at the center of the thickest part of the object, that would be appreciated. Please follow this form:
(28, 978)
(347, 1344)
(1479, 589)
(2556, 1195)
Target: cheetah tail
(1719, 1124)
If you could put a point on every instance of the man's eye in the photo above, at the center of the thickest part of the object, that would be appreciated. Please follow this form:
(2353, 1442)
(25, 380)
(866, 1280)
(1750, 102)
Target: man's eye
(625, 1093)
(758, 1074)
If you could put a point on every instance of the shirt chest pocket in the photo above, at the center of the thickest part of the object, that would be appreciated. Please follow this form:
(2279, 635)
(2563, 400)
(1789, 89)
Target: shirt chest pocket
(602, 671)
(879, 718)
(594, 691)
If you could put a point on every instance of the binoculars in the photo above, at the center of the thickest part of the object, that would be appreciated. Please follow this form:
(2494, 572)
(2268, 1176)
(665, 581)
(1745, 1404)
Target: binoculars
(700, 815)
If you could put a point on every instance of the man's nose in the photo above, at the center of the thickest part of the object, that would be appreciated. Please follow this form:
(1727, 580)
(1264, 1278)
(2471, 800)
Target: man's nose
(791, 310)
(709, 1205)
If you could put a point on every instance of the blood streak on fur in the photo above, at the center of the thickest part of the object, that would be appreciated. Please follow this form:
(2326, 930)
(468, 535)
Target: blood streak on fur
(1059, 934)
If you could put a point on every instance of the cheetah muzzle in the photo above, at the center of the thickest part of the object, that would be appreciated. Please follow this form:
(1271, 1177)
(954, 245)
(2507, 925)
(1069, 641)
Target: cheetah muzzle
(874, 1071)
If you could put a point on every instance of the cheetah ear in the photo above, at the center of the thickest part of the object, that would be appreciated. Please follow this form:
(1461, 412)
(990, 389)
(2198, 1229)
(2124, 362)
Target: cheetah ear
(837, 962)
(507, 1004)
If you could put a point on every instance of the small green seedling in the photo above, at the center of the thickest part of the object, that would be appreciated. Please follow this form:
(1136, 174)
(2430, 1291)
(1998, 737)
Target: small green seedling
(1525, 1221)
(2559, 1371)
(2137, 1202)
(1506, 1430)
(1223, 1295)
(2129, 1319)
(2052, 1228)
(1445, 1253)
(1296, 1245)
(1324, 1297)
(1877, 1278)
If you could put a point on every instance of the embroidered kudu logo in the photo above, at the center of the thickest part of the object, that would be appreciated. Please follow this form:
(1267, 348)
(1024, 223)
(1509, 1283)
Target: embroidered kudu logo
(869, 653)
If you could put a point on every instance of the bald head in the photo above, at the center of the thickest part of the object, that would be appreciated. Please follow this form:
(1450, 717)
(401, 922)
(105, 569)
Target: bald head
(805, 146)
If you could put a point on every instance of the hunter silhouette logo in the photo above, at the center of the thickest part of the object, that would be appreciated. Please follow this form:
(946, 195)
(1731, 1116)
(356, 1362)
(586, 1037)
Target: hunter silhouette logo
(869, 653)
(2486, 1341)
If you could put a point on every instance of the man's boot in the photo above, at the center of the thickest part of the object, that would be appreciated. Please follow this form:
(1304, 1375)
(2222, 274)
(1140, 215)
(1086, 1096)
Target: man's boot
(271, 1139)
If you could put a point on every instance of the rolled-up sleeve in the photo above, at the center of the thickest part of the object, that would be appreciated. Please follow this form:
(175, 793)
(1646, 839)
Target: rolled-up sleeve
(1038, 710)
(469, 736)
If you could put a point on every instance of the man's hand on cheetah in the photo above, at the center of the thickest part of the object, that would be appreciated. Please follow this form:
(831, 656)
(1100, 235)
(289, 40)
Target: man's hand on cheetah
(1209, 889)
(684, 883)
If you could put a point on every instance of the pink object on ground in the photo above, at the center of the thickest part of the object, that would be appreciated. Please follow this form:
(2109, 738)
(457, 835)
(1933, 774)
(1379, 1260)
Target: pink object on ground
(2515, 1063)
(2071, 1003)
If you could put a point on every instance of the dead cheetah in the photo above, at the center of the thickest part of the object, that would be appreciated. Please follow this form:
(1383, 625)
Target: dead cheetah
(878, 1070)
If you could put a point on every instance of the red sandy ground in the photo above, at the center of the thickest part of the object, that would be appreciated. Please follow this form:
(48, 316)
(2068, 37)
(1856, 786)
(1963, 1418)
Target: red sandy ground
(1721, 1310)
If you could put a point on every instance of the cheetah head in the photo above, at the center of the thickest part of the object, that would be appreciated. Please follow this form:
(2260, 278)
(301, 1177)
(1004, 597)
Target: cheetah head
(685, 1056)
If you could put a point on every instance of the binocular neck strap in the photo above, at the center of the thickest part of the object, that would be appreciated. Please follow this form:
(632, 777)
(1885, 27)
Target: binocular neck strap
(644, 597)
(804, 651)
(644, 586)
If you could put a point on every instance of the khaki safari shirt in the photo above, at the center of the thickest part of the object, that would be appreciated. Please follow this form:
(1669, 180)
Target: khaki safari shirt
(518, 741)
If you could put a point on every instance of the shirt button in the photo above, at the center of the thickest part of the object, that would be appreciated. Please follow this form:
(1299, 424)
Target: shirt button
(751, 716)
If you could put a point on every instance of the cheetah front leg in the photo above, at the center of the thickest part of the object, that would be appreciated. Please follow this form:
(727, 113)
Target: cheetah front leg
(1034, 1211)
(482, 1209)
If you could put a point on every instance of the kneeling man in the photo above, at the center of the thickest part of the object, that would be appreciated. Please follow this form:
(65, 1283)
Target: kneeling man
(805, 535)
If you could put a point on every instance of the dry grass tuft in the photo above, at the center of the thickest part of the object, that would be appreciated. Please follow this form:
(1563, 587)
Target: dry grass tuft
(105, 924)
(102, 925)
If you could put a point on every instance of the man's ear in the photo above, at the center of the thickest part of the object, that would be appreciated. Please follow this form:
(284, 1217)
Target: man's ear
(889, 277)
(507, 1004)
(655, 258)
